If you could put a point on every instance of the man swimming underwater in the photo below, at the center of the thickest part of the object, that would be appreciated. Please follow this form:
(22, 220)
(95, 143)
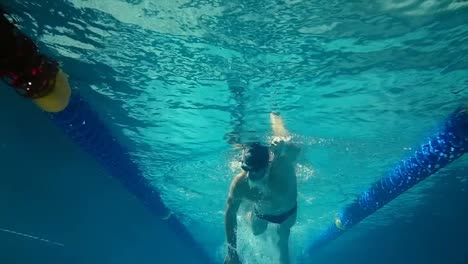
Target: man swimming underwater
(268, 180)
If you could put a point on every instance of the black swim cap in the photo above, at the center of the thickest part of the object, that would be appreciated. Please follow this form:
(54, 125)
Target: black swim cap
(256, 157)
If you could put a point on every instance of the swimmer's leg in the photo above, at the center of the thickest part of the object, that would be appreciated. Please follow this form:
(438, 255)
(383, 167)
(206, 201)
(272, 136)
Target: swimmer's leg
(283, 243)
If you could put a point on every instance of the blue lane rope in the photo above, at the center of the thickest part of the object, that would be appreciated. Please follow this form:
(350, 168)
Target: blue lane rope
(87, 130)
(445, 146)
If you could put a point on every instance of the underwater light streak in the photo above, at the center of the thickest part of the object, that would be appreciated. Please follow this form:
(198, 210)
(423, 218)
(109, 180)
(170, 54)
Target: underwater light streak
(31, 237)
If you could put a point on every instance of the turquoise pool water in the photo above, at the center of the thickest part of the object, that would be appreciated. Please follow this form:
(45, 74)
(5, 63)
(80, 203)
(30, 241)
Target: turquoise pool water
(358, 84)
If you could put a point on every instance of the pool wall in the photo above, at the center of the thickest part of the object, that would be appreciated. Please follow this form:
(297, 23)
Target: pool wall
(53, 190)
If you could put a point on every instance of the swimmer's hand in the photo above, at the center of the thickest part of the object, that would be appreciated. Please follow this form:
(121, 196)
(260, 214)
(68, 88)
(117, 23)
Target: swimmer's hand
(279, 145)
(283, 148)
(232, 258)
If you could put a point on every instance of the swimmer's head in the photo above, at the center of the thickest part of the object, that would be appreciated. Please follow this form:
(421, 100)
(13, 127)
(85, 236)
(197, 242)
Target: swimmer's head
(255, 161)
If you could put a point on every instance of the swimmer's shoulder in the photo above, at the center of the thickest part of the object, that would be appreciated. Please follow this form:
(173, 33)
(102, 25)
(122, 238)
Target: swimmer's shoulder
(239, 184)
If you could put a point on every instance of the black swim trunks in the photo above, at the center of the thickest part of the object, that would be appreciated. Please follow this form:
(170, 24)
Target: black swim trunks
(276, 219)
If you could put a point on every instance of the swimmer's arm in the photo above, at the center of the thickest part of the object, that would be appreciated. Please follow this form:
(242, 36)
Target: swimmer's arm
(232, 206)
(282, 144)
(277, 125)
